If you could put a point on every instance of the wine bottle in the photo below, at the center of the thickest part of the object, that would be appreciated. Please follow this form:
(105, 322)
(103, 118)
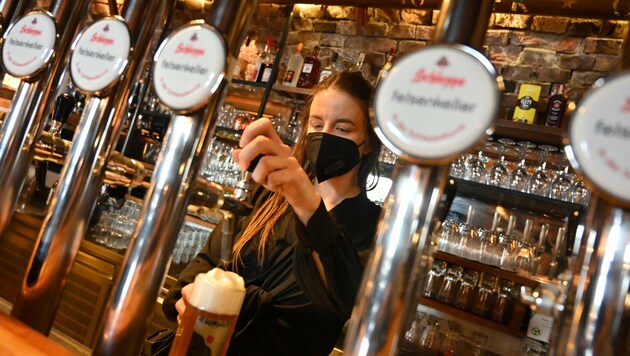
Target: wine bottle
(294, 67)
(386, 66)
(264, 62)
(310, 70)
(329, 69)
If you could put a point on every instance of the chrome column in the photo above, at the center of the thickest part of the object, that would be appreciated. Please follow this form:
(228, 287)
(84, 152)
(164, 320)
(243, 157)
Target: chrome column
(7, 10)
(132, 301)
(395, 271)
(33, 101)
(81, 177)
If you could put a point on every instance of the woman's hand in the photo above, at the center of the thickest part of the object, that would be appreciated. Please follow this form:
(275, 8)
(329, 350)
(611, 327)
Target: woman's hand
(181, 304)
(278, 170)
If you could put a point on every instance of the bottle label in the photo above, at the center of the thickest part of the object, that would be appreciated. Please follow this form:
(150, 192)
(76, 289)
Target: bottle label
(308, 68)
(288, 77)
(29, 45)
(324, 74)
(189, 65)
(101, 54)
(266, 74)
(203, 333)
(554, 117)
(454, 83)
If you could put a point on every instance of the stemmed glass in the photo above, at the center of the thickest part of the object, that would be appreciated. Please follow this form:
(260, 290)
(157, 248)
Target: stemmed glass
(458, 167)
(561, 185)
(520, 175)
(539, 181)
(475, 168)
(498, 174)
(579, 192)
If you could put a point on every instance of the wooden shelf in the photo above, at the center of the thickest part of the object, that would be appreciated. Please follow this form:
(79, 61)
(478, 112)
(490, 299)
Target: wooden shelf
(462, 314)
(484, 268)
(293, 92)
(535, 133)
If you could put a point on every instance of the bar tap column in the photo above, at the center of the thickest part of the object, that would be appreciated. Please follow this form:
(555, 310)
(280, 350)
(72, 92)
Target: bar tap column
(40, 67)
(102, 68)
(432, 105)
(595, 320)
(189, 78)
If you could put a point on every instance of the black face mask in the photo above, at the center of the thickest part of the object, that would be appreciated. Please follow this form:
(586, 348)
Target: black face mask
(330, 155)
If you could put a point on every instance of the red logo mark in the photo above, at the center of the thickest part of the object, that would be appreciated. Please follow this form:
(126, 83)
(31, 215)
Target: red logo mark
(437, 78)
(193, 37)
(626, 108)
(34, 22)
(102, 39)
(443, 62)
(190, 50)
(30, 31)
(106, 28)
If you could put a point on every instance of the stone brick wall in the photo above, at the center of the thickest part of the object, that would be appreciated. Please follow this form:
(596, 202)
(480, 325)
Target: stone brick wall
(523, 48)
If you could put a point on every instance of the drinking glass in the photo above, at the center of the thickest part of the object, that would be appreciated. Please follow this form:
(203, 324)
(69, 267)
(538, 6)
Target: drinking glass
(458, 167)
(452, 344)
(519, 177)
(562, 183)
(579, 192)
(447, 236)
(434, 279)
(485, 298)
(411, 342)
(504, 303)
(475, 168)
(448, 289)
(498, 174)
(430, 339)
(464, 296)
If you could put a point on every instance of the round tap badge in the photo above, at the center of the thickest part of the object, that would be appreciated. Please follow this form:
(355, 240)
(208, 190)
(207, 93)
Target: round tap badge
(29, 45)
(100, 55)
(189, 66)
(436, 103)
(599, 137)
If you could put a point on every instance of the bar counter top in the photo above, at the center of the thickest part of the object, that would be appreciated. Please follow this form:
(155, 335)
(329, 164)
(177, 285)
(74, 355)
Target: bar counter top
(19, 339)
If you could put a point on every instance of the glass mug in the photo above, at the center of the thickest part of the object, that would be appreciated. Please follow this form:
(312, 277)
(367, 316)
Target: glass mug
(464, 296)
(486, 296)
(434, 279)
(448, 289)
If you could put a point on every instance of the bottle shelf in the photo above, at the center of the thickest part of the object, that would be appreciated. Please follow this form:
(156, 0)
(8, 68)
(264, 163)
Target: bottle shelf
(535, 133)
(293, 92)
(250, 83)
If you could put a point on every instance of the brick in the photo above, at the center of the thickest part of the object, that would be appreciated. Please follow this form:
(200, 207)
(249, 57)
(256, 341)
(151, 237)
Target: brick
(504, 54)
(436, 17)
(309, 39)
(584, 27)
(552, 24)
(555, 42)
(407, 46)
(302, 24)
(377, 29)
(416, 17)
(347, 28)
(332, 40)
(510, 99)
(497, 37)
(577, 61)
(99, 9)
(602, 45)
(340, 12)
(566, 45)
(542, 74)
(292, 39)
(403, 31)
(621, 29)
(356, 42)
(516, 21)
(606, 63)
(382, 44)
(384, 15)
(324, 26)
(576, 93)
(268, 10)
(312, 11)
(538, 57)
(377, 59)
(585, 78)
(425, 33)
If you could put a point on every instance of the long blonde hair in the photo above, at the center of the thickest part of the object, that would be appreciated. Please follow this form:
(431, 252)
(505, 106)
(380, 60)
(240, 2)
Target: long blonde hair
(265, 218)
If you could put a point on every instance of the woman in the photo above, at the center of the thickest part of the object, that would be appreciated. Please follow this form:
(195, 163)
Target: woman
(299, 252)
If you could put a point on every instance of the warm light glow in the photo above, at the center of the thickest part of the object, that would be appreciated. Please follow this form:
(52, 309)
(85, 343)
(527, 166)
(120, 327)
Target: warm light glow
(10, 82)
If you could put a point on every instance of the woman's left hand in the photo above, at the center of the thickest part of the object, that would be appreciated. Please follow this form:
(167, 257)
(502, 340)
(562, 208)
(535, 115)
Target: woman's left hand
(277, 170)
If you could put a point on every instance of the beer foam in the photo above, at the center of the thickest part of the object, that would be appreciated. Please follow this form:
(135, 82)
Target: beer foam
(218, 291)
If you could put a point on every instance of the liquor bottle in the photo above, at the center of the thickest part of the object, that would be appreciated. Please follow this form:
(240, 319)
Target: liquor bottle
(557, 104)
(265, 61)
(528, 96)
(329, 69)
(386, 66)
(310, 70)
(294, 67)
(358, 65)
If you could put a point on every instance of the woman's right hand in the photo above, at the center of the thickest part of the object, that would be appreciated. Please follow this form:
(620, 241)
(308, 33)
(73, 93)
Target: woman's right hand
(181, 303)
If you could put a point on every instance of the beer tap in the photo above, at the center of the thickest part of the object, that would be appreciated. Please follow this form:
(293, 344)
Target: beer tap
(391, 281)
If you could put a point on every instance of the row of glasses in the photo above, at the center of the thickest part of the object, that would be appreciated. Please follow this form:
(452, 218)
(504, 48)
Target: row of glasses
(190, 240)
(219, 165)
(503, 249)
(116, 225)
(431, 335)
(538, 178)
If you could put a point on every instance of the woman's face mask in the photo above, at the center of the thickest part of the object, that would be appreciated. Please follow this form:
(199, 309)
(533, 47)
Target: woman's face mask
(331, 156)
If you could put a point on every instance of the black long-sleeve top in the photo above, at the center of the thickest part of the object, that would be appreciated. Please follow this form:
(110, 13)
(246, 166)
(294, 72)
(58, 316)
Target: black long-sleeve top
(287, 308)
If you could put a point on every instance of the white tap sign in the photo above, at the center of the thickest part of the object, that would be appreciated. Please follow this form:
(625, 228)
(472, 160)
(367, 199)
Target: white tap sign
(189, 66)
(100, 55)
(599, 136)
(436, 103)
(29, 45)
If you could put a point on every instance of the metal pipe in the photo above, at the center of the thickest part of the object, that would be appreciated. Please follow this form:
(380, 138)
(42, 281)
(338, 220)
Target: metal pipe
(394, 274)
(32, 104)
(7, 9)
(597, 320)
(398, 256)
(79, 183)
(131, 303)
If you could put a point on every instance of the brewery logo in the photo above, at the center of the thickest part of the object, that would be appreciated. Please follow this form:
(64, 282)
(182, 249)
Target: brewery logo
(436, 78)
(626, 107)
(28, 30)
(443, 62)
(29, 45)
(188, 49)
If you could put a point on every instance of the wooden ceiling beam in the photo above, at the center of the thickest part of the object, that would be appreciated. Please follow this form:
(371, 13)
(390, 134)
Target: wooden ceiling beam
(605, 9)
